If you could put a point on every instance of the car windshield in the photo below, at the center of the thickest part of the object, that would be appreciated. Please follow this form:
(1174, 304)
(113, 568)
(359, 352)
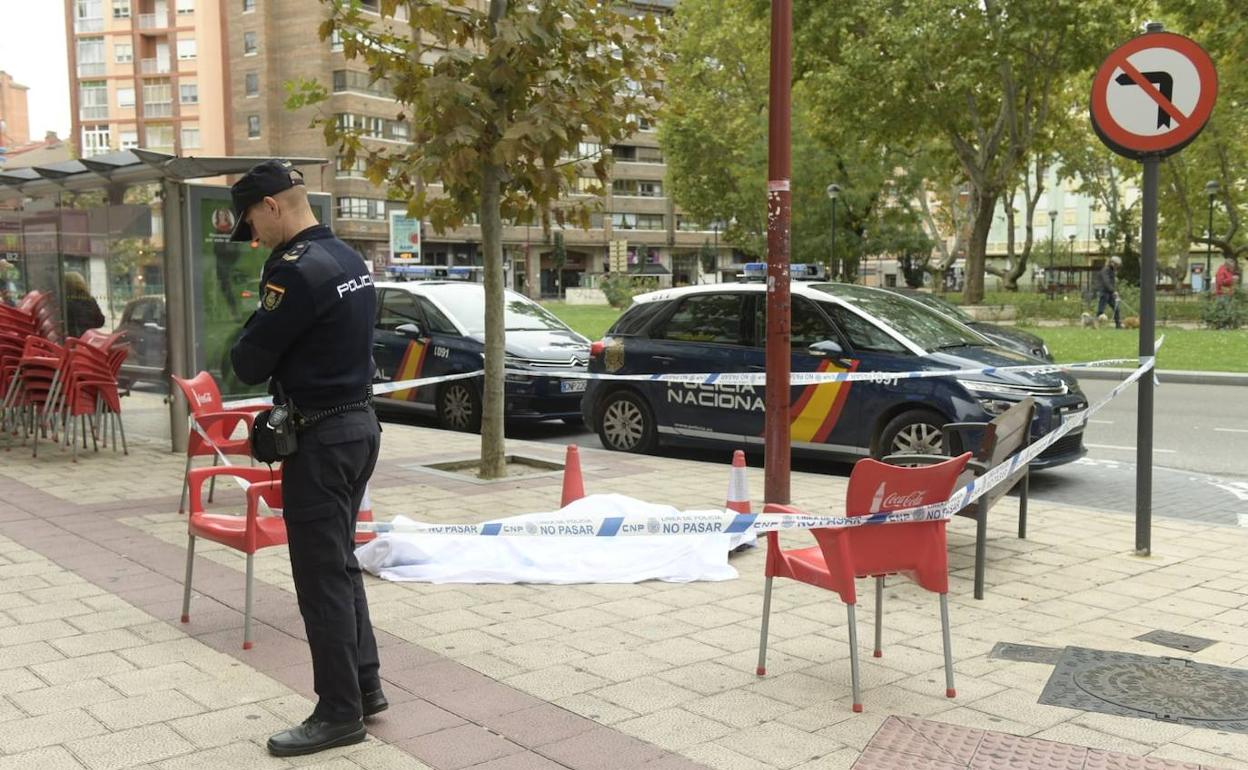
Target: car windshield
(926, 328)
(939, 305)
(466, 304)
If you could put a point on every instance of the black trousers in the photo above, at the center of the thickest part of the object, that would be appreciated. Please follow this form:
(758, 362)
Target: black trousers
(322, 486)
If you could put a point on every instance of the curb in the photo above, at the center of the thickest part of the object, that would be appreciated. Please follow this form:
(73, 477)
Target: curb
(1169, 375)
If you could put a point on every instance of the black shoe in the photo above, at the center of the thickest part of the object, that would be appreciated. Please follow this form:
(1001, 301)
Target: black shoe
(315, 735)
(374, 702)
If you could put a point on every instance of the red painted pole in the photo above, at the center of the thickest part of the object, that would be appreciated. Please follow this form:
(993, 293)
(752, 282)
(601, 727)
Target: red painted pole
(779, 200)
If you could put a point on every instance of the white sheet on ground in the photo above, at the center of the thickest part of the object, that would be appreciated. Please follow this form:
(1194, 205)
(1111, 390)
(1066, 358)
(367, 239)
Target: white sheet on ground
(481, 559)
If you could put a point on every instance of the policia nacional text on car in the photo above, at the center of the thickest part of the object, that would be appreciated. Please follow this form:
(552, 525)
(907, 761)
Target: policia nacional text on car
(312, 338)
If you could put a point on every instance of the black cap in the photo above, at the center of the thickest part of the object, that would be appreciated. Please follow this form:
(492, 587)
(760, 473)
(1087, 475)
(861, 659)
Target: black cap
(264, 179)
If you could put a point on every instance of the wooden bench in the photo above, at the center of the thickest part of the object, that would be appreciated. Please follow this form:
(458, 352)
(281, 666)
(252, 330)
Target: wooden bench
(1006, 435)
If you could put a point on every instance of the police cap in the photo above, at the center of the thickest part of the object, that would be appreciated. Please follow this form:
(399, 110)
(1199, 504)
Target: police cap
(264, 179)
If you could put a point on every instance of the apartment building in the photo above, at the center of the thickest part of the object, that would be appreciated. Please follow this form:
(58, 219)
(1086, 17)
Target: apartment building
(148, 73)
(271, 42)
(14, 116)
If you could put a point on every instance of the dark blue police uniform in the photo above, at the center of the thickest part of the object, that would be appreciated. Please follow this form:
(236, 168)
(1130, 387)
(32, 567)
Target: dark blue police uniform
(313, 334)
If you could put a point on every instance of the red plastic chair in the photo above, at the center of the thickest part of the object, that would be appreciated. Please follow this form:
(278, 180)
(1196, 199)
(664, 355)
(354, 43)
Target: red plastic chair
(248, 533)
(87, 390)
(914, 549)
(217, 425)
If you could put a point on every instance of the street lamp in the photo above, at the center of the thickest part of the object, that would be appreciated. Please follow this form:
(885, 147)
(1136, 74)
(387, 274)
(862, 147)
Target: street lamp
(833, 191)
(1052, 232)
(1071, 273)
(1211, 189)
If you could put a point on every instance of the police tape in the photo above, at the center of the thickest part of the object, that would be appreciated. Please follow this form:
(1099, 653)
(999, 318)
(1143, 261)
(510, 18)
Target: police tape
(379, 388)
(727, 522)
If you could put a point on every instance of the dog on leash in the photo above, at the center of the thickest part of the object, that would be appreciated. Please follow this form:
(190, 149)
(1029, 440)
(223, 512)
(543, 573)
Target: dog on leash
(1086, 319)
(1131, 322)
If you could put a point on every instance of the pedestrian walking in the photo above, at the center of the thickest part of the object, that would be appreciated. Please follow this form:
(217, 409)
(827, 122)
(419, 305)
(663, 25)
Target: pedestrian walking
(1109, 289)
(1224, 283)
(311, 338)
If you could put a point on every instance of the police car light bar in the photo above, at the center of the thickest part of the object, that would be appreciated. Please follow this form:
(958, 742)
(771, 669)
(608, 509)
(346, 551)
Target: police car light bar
(801, 271)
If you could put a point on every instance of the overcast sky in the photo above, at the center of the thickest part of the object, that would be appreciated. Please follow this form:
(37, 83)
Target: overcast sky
(33, 52)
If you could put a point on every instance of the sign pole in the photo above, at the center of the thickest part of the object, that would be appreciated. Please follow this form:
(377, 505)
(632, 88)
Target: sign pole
(1144, 413)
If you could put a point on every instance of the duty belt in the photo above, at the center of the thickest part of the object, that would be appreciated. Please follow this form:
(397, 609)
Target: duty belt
(305, 421)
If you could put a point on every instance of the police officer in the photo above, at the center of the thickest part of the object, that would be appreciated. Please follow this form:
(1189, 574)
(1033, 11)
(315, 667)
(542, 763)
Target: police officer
(312, 338)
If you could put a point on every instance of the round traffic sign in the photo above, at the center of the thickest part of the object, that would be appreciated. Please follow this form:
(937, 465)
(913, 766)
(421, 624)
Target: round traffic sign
(1153, 95)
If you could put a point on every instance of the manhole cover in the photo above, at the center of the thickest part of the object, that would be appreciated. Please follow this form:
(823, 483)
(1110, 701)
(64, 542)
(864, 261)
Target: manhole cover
(1025, 653)
(1177, 641)
(1167, 689)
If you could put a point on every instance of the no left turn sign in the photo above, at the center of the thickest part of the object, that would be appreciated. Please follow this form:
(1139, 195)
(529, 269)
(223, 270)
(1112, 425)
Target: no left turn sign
(1153, 95)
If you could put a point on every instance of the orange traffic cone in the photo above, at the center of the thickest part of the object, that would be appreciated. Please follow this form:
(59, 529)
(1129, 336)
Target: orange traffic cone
(573, 484)
(366, 514)
(738, 485)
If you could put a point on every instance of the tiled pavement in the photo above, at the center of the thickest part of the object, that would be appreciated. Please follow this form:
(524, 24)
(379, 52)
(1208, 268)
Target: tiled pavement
(95, 670)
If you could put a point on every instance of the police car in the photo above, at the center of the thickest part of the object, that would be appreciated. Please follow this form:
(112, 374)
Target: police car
(835, 328)
(432, 328)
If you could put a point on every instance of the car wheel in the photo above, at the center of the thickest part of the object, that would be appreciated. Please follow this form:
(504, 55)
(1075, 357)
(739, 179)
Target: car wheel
(459, 407)
(626, 423)
(914, 432)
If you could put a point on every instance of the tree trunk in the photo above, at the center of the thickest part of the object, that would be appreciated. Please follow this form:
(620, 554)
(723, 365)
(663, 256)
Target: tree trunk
(985, 202)
(493, 451)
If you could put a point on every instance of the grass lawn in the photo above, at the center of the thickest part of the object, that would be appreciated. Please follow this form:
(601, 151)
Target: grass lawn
(590, 320)
(1194, 349)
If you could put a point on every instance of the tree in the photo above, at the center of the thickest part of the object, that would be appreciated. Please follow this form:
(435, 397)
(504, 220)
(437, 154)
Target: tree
(499, 96)
(559, 258)
(980, 75)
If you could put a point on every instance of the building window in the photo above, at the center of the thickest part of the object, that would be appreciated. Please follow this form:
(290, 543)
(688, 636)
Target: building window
(186, 6)
(373, 127)
(190, 137)
(88, 16)
(249, 6)
(129, 139)
(361, 208)
(158, 100)
(650, 222)
(351, 170)
(335, 40)
(125, 97)
(186, 48)
(188, 93)
(650, 189)
(90, 56)
(121, 9)
(160, 137)
(93, 100)
(123, 53)
(353, 80)
(253, 126)
(588, 185)
(249, 44)
(251, 84)
(624, 221)
(94, 140)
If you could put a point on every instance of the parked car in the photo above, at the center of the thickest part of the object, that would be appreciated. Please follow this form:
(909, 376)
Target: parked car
(720, 328)
(144, 327)
(432, 328)
(1005, 336)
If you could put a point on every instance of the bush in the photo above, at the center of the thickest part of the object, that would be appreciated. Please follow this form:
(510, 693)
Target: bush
(1229, 312)
(620, 289)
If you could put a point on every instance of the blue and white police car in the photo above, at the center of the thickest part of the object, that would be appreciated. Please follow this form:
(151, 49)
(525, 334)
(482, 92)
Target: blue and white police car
(433, 328)
(835, 328)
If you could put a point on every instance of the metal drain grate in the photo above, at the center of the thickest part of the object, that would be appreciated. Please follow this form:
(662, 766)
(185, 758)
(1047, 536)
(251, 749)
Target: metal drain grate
(1025, 653)
(1176, 640)
(1166, 689)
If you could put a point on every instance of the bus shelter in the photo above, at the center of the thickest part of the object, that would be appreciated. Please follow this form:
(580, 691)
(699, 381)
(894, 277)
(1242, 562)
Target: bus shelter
(130, 241)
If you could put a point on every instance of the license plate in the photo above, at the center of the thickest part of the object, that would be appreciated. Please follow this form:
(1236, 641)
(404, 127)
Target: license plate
(572, 386)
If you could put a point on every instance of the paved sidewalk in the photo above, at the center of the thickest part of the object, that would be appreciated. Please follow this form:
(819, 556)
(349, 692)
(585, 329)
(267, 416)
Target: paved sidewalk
(96, 671)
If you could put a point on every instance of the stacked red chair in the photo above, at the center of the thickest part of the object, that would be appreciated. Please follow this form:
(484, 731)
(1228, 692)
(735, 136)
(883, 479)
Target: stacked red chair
(212, 427)
(914, 549)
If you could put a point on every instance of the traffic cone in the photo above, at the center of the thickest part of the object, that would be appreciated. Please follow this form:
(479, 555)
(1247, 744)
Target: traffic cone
(366, 514)
(573, 484)
(738, 485)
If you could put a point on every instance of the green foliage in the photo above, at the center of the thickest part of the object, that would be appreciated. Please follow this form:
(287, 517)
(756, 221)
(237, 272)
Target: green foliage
(1227, 312)
(620, 288)
(708, 257)
(592, 321)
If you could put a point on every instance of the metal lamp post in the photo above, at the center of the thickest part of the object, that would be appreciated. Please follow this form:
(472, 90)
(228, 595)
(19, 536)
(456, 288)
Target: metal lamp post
(1052, 231)
(833, 191)
(1211, 189)
(1071, 272)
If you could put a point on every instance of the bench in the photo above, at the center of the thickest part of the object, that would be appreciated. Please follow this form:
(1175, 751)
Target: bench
(1005, 435)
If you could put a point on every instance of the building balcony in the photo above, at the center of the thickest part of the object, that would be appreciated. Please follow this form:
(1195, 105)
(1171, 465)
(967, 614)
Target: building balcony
(88, 25)
(153, 20)
(93, 113)
(90, 69)
(155, 66)
(158, 109)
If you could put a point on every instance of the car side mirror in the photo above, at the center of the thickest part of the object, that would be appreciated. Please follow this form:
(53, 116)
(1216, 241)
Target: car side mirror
(826, 348)
(410, 329)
